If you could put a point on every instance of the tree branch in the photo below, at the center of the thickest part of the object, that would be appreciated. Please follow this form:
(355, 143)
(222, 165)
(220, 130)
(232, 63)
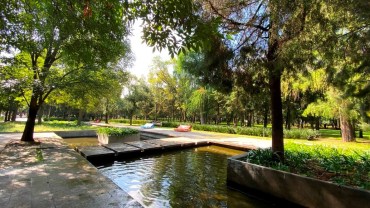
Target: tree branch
(234, 22)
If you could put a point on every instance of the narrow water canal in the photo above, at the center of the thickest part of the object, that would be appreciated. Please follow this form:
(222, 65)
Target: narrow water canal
(187, 178)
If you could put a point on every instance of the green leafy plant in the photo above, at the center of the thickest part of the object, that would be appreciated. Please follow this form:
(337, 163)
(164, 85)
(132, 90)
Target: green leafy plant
(345, 167)
(117, 131)
(39, 155)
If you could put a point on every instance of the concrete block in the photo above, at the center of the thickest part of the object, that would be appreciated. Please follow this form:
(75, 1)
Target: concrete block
(301, 190)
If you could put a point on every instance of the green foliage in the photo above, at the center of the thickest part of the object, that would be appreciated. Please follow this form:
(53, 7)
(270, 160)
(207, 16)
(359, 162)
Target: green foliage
(59, 119)
(258, 131)
(127, 121)
(301, 134)
(345, 167)
(175, 25)
(45, 126)
(254, 131)
(250, 131)
(214, 128)
(171, 124)
(117, 131)
(39, 156)
(64, 125)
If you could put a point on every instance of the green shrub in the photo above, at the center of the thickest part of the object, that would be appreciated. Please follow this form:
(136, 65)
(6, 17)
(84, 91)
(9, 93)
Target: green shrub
(365, 126)
(59, 119)
(254, 131)
(340, 166)
(117, 131)
(127, 121)
(214, 128)
(301, 134)
(170, 124)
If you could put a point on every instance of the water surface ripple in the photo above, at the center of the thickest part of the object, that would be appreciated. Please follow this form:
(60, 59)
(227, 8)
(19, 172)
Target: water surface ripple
(188, 178)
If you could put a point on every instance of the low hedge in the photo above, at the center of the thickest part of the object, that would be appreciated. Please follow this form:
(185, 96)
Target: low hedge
(116, 131)
(59, 119)
(250, 131)
(127, 121)
(171, 124)
(215, 128)
(255, 131)
(301, 134)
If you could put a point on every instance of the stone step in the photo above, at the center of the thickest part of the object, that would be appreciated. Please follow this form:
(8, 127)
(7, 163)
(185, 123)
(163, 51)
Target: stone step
(148, 136)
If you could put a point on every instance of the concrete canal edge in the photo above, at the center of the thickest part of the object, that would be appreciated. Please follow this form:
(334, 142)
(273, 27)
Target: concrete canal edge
(77, 133)
(298, 189)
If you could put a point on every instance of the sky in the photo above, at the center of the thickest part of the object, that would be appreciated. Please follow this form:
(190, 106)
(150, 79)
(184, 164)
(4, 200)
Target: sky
(143, 53)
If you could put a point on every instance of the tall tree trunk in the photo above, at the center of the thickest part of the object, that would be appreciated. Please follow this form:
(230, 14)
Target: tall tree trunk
(106, 112)
(49, 112)
(275, 71)
(131, 116)
(14, 112)
(27, 135)
(40, 114)
(81, 113)
(265, 117)
(201, 117)
(218, 114)
(287, 121)
(317, 123)
(276, 114)
(6, 116)
(155, 111)
(346, 127)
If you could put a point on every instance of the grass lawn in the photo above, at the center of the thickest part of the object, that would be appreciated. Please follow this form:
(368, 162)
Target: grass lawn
(45, 126)
(328, 133)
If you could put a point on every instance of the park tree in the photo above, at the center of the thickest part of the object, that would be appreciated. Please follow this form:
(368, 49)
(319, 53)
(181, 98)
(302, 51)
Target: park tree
(15, 84)
(264, 30)
(342, 49)
(83, 34)
(137, 92)
(186, 84)
(163, 88)
(99, 89)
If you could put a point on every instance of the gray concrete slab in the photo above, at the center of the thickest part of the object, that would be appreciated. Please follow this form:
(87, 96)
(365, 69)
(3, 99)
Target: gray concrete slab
(144, 146)
(234, 145)
(187, 140)
(120, 148)
(165, 143)
(96, 151)
(247, 142)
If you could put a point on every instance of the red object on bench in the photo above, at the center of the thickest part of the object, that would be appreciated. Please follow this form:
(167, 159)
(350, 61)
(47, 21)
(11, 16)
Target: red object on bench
(183, 128)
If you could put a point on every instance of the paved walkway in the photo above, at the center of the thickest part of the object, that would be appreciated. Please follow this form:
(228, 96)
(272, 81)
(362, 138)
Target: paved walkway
(50, 174)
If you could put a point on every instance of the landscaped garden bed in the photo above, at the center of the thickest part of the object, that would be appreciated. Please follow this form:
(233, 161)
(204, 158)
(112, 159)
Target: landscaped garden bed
(312, 176)
(108, 135)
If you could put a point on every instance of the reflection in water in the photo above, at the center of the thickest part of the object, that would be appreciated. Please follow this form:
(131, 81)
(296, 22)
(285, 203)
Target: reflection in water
(82, 141)
(187, 178)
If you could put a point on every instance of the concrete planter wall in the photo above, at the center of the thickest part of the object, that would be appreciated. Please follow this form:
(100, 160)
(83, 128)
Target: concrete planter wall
(105, 139)
(77, 133)
(301, 190)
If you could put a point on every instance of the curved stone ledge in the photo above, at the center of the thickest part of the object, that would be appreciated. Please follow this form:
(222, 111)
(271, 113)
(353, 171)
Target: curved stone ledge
(298, 189)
